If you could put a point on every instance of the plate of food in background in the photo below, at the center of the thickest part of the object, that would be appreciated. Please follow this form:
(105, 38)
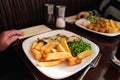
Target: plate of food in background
(99, 25)
(59, 53)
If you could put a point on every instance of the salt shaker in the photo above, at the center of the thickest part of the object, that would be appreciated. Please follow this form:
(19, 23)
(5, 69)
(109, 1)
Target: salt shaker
(60, 21)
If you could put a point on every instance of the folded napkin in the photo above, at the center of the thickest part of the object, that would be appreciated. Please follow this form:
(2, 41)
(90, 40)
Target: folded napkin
(34, 30)
(71, 19)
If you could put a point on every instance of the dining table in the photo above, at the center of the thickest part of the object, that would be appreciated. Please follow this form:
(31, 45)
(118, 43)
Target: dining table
(105, 70)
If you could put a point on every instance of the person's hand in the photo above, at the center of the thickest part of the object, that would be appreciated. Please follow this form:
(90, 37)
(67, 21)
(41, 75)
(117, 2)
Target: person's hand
(83, 15)
(8, 37)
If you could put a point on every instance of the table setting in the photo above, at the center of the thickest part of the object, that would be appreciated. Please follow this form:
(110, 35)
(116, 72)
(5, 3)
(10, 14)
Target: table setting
(81, 71)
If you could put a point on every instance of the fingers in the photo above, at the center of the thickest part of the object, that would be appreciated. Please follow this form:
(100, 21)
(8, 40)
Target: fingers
(6, 42)
(11, 40)
(15, 32)
(8, 37)
(12, 35)
(82, 15)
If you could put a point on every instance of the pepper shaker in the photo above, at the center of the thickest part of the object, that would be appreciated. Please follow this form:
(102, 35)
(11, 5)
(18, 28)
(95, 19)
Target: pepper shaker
(50, 15)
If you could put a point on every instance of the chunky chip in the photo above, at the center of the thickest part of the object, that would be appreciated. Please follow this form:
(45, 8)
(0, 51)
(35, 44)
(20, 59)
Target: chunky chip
(52, 52)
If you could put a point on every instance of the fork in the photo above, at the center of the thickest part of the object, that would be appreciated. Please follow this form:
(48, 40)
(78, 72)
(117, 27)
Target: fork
(93, 64)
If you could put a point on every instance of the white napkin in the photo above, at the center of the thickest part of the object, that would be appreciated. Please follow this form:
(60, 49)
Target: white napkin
(71, 19)
(34, 30)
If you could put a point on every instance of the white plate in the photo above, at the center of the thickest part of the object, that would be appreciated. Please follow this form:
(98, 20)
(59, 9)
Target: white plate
(62, 70)
(80, 22)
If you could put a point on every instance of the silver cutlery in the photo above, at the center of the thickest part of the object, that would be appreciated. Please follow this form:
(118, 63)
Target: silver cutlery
(93, 64)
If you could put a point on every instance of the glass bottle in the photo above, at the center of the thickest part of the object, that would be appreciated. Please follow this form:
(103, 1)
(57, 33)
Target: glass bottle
(60, 20)
(116, 56)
